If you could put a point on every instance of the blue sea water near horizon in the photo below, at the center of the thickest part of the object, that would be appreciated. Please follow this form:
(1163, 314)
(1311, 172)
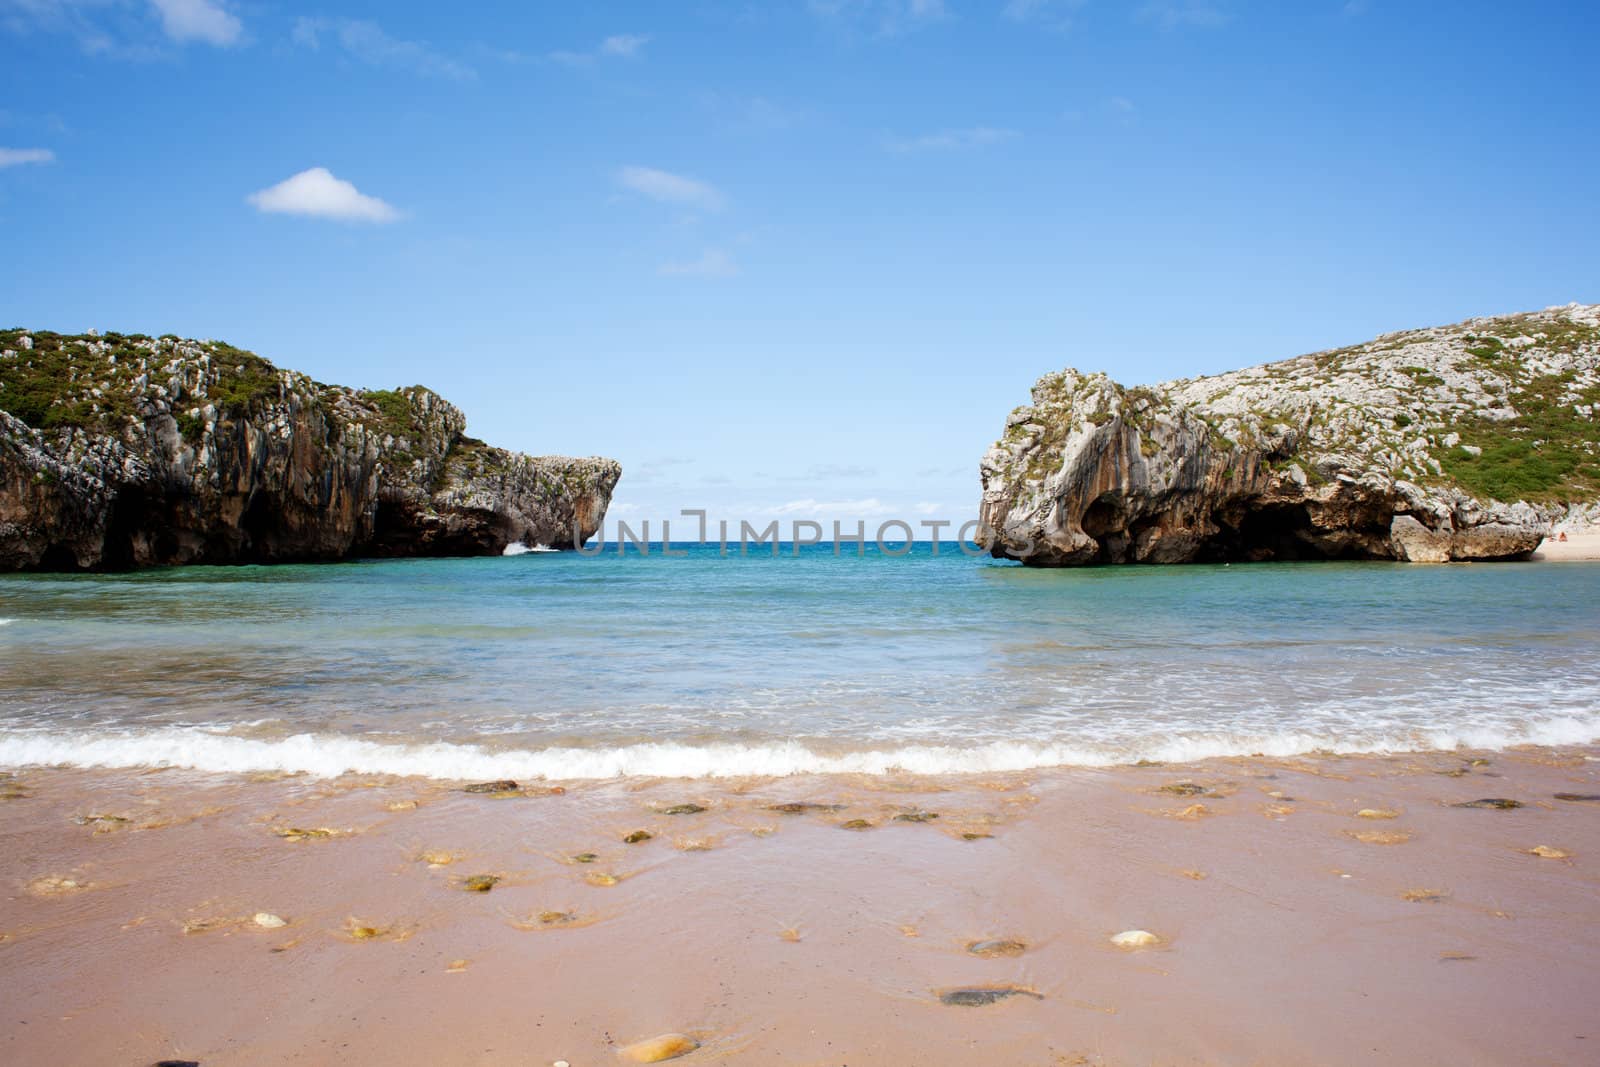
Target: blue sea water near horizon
(558, 666)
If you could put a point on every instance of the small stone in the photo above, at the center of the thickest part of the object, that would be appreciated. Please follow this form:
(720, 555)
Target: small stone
(1425, 896)
(585, 857)
(504, 785)
(561, 1063)
(973, 835)
(683, 809)
(1380, 837)
(916, 816)
(457, 966)
(480, 883)
(176, 1063)
(1377, 813)
(803, 808)
(437, 858)
(856, 824)
(598, 878)
(1578, 798)
(297, 833)
(1182, 789)
(557, 918)
(638, 837)
(982, 996)
(268, 921)
(401, 805)
(657, 1049)
(1490, 803)
(996, 947)
(1545, 852)
(1135, 939)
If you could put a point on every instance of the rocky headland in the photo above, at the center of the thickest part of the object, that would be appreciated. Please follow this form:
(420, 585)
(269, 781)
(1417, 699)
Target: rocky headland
(1463, 442)
(123, 451)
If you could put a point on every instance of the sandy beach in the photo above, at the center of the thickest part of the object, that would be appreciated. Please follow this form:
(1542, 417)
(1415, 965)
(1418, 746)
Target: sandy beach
(1306, 911)
(1583, 547)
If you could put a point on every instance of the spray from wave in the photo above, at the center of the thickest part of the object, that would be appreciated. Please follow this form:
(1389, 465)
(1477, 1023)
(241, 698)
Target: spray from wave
(329, 756)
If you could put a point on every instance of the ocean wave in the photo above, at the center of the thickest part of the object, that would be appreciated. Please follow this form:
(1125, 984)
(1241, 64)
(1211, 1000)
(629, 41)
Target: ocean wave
(328, 756)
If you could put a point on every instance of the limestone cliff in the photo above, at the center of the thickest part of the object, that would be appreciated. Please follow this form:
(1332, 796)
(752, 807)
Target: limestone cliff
(129, 451)
(1461, 442)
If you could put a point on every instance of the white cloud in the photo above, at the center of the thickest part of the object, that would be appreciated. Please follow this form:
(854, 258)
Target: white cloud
(712, 263)
(316, 193)
(617, 46)
(198, 20)
(669, 188)
(367, 42)
(16, 157)
(623, 44)
(947, 140)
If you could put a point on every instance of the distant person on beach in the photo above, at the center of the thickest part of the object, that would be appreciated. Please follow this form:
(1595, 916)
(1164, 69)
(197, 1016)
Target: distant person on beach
(1563, 536)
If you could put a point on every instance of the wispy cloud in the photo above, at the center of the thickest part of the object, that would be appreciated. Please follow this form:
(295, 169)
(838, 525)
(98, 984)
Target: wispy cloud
(17, 157)
(316, 193)
(887, 18)
(1055, 13)
(828, 472)
(949, 140)
(1168, 15)
(126, 29)
(367, 42)
(669, 188)
(712, 263)
(618, 46)
(198, 20)
(811, 506)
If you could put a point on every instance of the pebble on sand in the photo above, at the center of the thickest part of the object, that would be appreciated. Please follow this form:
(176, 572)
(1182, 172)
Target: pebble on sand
(1380, 837)
(1425, 896)
(982, 996)
(800, 807)
(856, 824)
(504, 785)
(916, 815)
(1135, 939)
(657, 1049)
(1377, 813)
(480, 883)
(306, 833)
(600, 878)
(585, 857)
(55, 885)
(683, 809)
(995, 947)
(1578, 798)
(1491, 803)
(268, 921)
(1547, 852)
(638, 837)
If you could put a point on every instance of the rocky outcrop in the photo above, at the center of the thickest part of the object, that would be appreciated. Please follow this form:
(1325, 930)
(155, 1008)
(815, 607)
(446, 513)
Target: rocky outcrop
(1456, 443)
(125, 451)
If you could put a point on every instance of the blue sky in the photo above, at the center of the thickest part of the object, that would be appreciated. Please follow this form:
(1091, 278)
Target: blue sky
(793, 259)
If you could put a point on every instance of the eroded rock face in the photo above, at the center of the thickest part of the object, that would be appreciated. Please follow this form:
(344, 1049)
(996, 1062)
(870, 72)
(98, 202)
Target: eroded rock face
(122, 452)
(1424, 446)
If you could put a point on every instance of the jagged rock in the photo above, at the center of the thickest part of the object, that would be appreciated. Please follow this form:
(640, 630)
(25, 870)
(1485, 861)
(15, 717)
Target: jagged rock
(122, 452)
(1456, 443)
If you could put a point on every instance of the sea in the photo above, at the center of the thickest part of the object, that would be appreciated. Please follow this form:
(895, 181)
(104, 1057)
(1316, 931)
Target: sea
(917, 659)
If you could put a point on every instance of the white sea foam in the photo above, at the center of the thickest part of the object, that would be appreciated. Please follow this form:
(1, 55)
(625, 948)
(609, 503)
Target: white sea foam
(516, 548)
(327, 756)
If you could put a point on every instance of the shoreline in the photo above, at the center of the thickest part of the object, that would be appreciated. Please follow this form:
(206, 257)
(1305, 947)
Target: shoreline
(1293, 932)
(1577, 548)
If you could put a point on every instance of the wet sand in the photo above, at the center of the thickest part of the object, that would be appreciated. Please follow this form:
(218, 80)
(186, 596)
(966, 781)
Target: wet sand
(1581, 547)
(1292, 931)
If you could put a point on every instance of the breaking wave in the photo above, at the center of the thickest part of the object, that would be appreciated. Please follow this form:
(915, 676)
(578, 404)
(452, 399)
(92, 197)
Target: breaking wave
(328, 755)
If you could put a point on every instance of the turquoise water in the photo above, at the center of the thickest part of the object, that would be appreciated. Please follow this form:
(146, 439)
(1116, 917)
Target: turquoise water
(564, 666)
